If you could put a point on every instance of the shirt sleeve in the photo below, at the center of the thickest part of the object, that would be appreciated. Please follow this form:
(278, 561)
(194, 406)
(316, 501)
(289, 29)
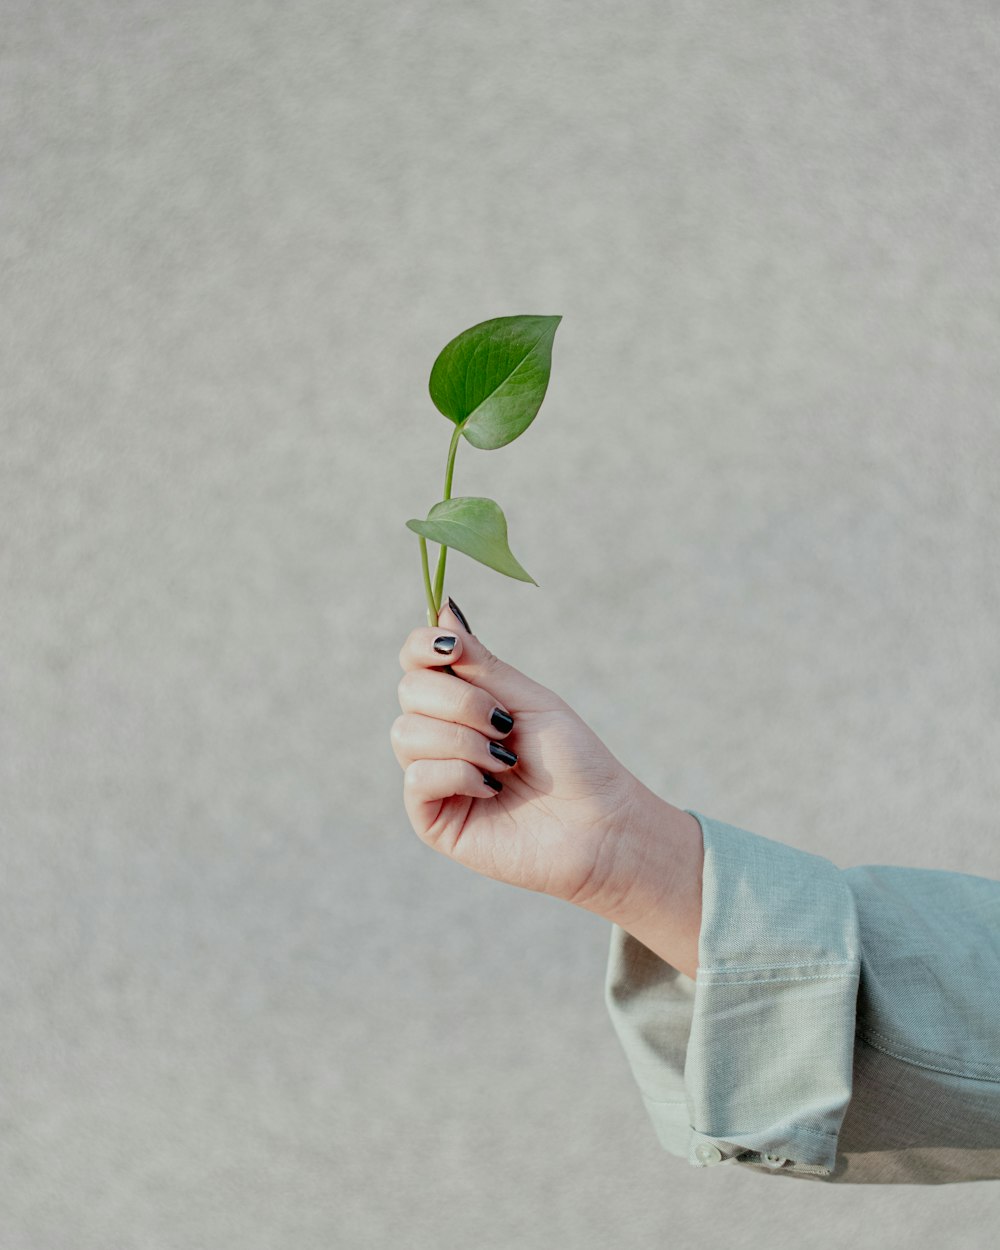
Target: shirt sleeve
(844, 1024)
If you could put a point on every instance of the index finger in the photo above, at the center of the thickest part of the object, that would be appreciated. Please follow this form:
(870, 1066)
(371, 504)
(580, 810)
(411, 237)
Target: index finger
(429, 647)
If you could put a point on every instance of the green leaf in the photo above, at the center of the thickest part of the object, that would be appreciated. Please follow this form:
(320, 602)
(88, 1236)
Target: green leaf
(492, 378)
(475, 526)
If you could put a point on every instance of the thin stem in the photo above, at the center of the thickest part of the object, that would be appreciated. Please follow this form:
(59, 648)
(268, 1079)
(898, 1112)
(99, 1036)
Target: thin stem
(448, 474)
(452, 450)
(432, 612)
(439, 577)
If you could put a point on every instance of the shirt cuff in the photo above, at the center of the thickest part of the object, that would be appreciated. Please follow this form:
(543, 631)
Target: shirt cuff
(751, 1061)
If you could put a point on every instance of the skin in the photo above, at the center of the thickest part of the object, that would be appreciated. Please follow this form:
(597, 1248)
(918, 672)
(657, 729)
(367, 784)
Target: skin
(570, 820)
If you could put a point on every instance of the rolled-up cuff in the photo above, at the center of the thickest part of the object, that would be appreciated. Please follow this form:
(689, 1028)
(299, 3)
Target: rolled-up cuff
(752, 1061)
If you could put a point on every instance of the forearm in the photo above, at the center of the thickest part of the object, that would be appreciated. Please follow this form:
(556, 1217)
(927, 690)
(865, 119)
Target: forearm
(658, 900)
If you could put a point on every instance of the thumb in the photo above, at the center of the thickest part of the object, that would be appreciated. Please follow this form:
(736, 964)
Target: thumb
(480, 667)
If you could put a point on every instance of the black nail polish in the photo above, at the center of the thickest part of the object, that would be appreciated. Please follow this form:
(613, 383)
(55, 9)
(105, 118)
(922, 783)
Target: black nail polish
(492, 782)
(459, 613)
(500, 752)
(501, 721)
(445, 645)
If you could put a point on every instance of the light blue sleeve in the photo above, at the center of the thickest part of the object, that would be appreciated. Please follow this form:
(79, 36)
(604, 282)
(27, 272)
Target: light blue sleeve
(844, 1025)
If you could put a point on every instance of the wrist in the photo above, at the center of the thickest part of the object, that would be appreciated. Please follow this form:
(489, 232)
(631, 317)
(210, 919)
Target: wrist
(653, 891)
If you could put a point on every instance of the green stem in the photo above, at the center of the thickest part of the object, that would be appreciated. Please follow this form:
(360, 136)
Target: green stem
(432, 612)
(448, 474)
(452, 451)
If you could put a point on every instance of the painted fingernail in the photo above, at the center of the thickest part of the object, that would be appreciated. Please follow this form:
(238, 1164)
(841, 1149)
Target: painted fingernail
(492, 782)
(500, 752)
(459, 613)
(445, 645)
(502, 721)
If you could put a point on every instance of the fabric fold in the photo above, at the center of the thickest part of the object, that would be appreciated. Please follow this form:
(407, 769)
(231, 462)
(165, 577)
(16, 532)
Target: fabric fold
(843, 1025)
(757, 1051)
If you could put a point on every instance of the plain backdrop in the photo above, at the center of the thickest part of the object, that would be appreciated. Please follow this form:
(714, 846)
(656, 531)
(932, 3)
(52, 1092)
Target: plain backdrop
(241, 1005)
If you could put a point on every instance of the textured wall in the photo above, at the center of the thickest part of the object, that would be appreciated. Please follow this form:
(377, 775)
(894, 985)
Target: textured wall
(240, 1004)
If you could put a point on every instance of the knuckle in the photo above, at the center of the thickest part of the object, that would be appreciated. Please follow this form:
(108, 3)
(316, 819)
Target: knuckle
(413, 776)
(458, 740)
(404, 686)
(397, 733)
(490, 662)
(470, 705)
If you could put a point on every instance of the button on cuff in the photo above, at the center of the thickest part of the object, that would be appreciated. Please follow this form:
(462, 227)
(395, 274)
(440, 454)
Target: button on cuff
(704, 1154)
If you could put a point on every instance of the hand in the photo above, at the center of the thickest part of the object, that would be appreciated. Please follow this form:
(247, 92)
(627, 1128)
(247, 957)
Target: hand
(557, 822)
(551, 826)
(568, 819)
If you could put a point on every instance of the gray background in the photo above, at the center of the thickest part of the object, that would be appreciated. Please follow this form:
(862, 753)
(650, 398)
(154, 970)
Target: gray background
(242, 1005)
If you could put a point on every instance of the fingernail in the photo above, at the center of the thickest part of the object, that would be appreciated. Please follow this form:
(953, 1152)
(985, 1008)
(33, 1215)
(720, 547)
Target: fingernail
(500, 752)
(445, 645)
(492, 782)
(502, 721)
(459, 613)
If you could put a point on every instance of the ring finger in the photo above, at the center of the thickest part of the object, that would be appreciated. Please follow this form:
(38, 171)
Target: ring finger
(416, 737)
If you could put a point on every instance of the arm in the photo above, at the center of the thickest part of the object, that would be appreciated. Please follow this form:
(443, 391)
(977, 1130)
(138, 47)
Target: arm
(776, 1011)
(658, 900)
(843, 1025)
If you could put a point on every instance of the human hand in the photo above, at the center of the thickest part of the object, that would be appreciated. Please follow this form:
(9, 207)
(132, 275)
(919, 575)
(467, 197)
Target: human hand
(568, 819)
(558, 823)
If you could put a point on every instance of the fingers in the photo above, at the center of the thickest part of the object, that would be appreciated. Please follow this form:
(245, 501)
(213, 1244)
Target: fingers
(427, 647)
(426, 783)
(475, 664)
(422, 737)
(446, 698)
(451, 646)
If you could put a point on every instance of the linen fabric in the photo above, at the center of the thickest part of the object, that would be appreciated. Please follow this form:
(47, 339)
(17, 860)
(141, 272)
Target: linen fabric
(843, 1025)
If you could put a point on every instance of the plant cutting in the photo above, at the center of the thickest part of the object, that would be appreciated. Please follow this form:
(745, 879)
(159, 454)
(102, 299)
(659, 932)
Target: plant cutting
(489, 382)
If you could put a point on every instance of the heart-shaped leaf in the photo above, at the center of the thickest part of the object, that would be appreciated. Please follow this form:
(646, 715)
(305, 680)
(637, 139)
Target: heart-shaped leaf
(475, 526)
(492, 378)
